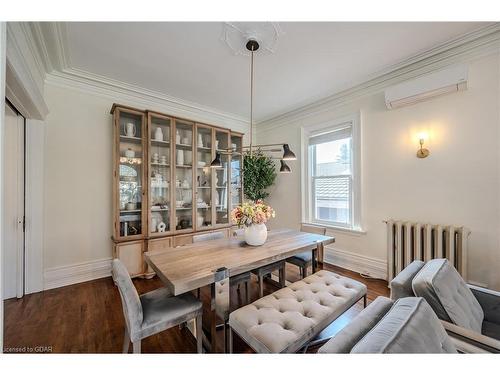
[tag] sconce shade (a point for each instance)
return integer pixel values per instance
(284, 167)
(287, 153)
(216, 163)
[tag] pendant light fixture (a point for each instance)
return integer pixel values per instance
(252, 45)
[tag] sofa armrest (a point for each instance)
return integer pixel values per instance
(489, 301)
(401, 284)
(468, 341)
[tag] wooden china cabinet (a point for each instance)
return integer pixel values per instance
(164, 190)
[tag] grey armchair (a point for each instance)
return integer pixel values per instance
(406, 326)
(469, 313)
(153, 312)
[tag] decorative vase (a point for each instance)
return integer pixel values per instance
(256, 234)
(158, 134)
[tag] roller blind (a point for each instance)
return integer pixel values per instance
(334, 135)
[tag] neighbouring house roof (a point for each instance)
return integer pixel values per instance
(335, 188)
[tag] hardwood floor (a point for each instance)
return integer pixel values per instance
(88, 317)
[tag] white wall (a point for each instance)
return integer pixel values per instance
(459, 183)
(78, 176)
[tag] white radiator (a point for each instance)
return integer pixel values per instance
(409, 241)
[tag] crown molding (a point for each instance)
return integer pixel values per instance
(480, 42)
(25, 72)
(139, 96)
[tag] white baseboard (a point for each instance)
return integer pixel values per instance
(76, 273)
(355, 262)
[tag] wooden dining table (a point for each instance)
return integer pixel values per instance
(212, 263)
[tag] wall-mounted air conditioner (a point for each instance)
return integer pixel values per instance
(425, 87)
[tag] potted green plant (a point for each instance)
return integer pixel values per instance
(259, 174)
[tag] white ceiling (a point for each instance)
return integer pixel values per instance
(189, 61)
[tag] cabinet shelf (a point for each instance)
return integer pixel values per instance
(184, 166)
(160, 165)
(183, 146)
(165, 143)
(126, 138)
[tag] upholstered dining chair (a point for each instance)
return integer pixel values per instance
(266, 270)
(304, 260)
(238, 280)
(153, 312)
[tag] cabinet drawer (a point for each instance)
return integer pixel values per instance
(183, 240)
(159, 244)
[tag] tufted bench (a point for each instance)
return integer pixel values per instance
(289, 318)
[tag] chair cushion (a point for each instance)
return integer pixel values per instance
(445, 290)
(401, 284)
(410, 326)
(344, 341)
(162, 311)
(304, 257)
(290, 317)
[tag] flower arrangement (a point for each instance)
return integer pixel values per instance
(252, 213)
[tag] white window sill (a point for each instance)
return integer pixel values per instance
(355, 232)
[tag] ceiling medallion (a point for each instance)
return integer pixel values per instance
(236, 35)
(252, 44)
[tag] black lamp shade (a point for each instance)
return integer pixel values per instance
(284, 168)
(287, 153)
(216, 163)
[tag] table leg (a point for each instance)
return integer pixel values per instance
(220, 292)
(314, 260)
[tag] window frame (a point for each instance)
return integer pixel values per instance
(307, 172)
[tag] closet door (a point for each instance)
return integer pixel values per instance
(13, 211)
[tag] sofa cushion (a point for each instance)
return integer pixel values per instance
(410, 326)
(445, 290)
(344, 341)
(290, 317)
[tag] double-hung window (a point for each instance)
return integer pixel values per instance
(333, 194)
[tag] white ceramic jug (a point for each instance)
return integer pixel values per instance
(158, 134)
(129, 129)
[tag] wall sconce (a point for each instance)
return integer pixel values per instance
(422, 152)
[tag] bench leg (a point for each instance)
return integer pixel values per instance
(230, 345)
(304, 272)
(364, 300)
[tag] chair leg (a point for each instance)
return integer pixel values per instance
(282, 273)
(199, 334)
(137, 347)
(247, 296)
(230, 345)
(304, 272)
(198, 293)
(126, 341)
(261, 286)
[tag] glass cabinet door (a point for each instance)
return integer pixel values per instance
(183, 155)
(203, 182)
(221, 179)
(129, 126)
(236, 167)
(159, 174)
